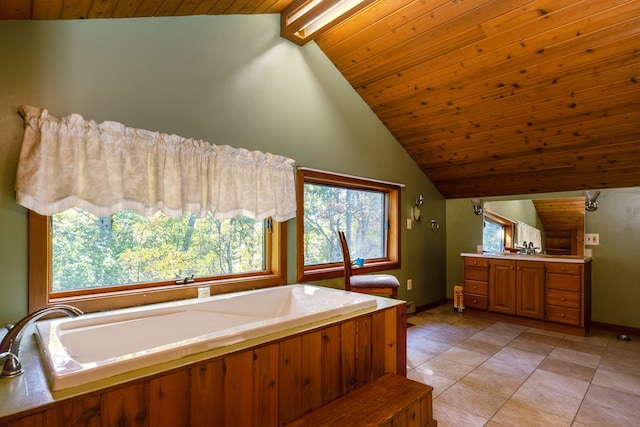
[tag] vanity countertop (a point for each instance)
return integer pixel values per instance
(538, 257)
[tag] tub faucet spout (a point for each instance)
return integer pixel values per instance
(10, 345)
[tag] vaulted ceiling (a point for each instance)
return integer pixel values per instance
(489, 97)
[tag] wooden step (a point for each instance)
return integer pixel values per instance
(389, 401)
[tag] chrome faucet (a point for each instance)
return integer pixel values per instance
(10, 345)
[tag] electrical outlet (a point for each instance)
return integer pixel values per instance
(592, 239)
(409, 284)
(408, 223)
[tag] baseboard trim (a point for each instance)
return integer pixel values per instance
(431, 305)
(616, 328)
(629, 330)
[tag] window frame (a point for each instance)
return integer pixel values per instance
(506, 224)
(336, 269)
(40, 276)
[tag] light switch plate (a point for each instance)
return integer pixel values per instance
(408, 223)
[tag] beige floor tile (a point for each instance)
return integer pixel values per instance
(521, 415)
(492, 338)
(595, 415)
(513, 362)
(481, 347)
(451, 416)
(621, 364)
(508, 329)
(477, 401)
(465, 357)
(447, 337)
(558, 366)
(560, 383)
(499, 383)
(446, 368)
(464, 331)
(621, 352)
(553, 334)
(578, 357)
(544, 398)
(501, 375)
(595, 338)
(475, 322)
(531, 345)
(438, 382)
(617, 381)
(615, 401)
(581, 346)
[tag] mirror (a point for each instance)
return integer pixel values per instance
(555, 226)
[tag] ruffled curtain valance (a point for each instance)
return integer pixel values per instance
(105, 167)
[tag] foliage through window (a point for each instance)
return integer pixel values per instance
(122, 260)
(361, 214)
(497, 233)
(127, 248)
(367, 211)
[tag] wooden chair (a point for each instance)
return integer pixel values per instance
(385, 285)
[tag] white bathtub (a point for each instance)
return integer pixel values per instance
(96, 346)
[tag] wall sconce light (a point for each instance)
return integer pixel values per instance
(477, 206)
(435, 225)
(303, 19)
(590, 203)
(416, 207)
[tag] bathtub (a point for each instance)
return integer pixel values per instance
(97, 346)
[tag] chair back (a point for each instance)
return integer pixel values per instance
(346, 258)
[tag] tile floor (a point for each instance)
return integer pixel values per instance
(487, 373)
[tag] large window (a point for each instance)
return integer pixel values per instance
(367, 211)
(127, 259)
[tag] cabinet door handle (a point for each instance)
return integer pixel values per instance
(475, 287)
(563, 315)
(475, 300)
(563, 299)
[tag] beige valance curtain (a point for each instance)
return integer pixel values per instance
(105, 167)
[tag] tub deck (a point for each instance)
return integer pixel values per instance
(96, 346)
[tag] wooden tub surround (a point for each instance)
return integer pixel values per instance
(268, 381)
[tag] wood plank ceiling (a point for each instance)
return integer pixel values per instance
(489, 97)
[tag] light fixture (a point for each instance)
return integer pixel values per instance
(416, 207)
(303, 19)
(590, 203)
(477, 206)
(435, 225)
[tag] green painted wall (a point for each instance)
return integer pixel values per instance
(615, 270)
(225, 79)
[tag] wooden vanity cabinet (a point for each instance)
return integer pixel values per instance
(553, 295)
(530, 289)
(475, 283)
(517, 288)
(565, 293)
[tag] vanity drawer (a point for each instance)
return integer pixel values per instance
(476, 262)
(477, 274)
(563, 282)
(560, 268)
(563, 298)
(569, 316)
(473, 287)
(476, 301)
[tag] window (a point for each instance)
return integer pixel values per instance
(497, 233)
(367, 211)
(126, 259)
